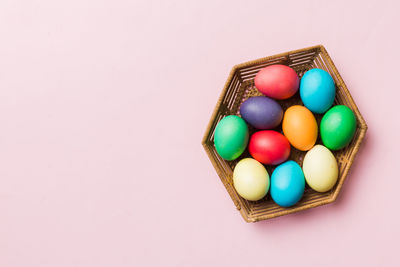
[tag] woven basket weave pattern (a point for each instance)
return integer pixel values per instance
(239, 87)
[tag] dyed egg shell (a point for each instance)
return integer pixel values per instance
(338, 126)
(317, 90)
(287, 184)
(231, 137)
(277, 81)
(300, 127)
(250, 179)
(261, 112)
(269, 147)
(320, 169)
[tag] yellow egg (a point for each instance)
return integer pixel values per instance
(320, 168)
(300, 127)
(250, 179)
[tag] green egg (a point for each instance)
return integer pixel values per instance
(231, 137)
(338, 126)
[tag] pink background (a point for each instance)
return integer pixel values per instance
(103, 105)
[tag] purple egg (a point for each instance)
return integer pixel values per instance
(261, 112)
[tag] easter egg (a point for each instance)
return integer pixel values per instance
(277, 81)
(338, 126)
(320, 168)
(300, 127)
(261, 112)
(287, 184)
(231, 137)
(269, 147)
(317, 90)
(250, 179)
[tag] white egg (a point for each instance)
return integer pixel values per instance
(320, 168)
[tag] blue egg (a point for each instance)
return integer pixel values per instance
(287, 184)
(317, 90)
(261, 112)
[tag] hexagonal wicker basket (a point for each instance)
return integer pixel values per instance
(239, 87)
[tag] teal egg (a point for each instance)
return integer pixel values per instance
(287, 184)
(231, 137)
(317, 90)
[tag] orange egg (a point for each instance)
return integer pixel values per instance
(300, 127)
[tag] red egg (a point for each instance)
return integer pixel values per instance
(277, 81)
(269, 147)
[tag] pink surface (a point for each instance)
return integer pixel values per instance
(102, 108)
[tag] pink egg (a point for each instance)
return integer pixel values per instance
(277, 81)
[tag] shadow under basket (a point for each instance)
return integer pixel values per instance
(239, 87)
